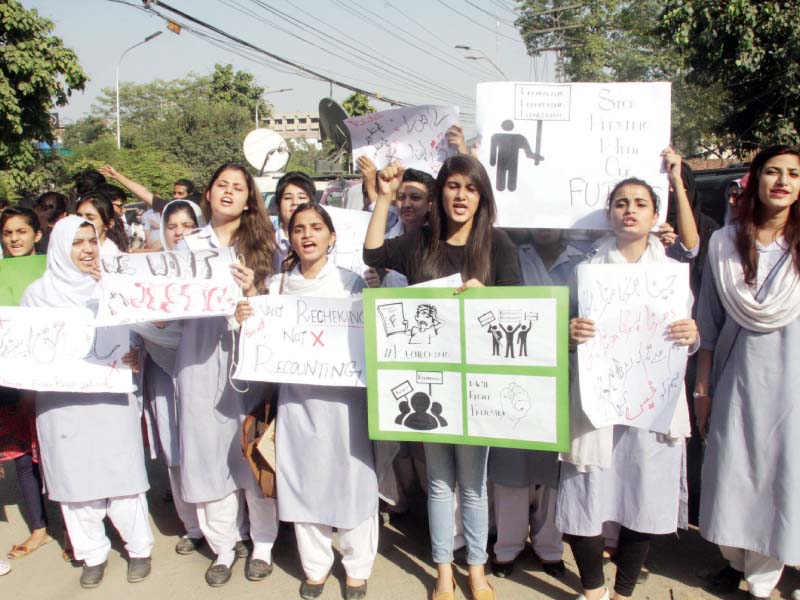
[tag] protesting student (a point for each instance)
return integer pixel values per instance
(211, 410)
(524, 482)
(161, 341)
(325, 467)
(50, 207)
(293, 189)
(747, 385)
(91, 443)
(20, 233)
(621, 474)
(460, 238)
(96, 207)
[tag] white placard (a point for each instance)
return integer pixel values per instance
(553, 151)
(164, 286)
(59, 350)
(415, 136)
(351, 230)
(631, 373)
(291, 339)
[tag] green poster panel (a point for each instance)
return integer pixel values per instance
(16, 274)
(486, 367)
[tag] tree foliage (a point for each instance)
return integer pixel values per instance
(36, 73)
(357, 104)
(751, 48)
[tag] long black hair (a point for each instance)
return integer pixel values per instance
(480, 242)
(101, 201)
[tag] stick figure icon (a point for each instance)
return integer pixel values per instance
(504, 153)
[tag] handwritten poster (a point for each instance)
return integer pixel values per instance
(630, 372)
(438, 372)
(554, 151)
(16, 274)
(291, 339)
(351, 230)
(163, 286)
(415, 136)
(59, 350)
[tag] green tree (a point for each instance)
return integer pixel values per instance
(620, 40)
(237, 88)
(36, 73)
(357, 104)
(752, 49)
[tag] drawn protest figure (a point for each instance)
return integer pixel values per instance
(420, 419)
(510, 331)
(522, 338)
(504, 153)
(427, 325)
(436, 411)
(404, 409)
(497, 335)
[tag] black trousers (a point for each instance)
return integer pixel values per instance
(631, 554)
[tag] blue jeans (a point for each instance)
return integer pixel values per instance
(449, 464)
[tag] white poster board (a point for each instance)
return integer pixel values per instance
(554, 151)
(291, 339)
(164, 286)
(351, 230)
(59, 350)
(415, 136)
(630, 372)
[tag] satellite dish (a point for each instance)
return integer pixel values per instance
(266, 150)
(331, 124)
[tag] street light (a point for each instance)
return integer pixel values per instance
(483, 57)
(271, 92)
(144, 41)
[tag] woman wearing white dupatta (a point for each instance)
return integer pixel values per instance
(625, 475)
(325, 472)
(748, 314)
(91, 444)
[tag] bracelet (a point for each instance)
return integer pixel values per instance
(697, 395)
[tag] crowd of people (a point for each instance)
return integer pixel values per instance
(606, 496)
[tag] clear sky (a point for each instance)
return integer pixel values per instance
(401, 48)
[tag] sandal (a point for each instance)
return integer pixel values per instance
(21, 551)
(486, 593)
(445, 595)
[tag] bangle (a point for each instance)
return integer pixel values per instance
(697, 395)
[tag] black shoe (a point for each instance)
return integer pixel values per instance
(218, 575)
(187, 545)
(725, 581)
(554, 569)
(138, 569)
(92, 576)
(355, 592)
(309, 591)
(241, 550)
(256, 569)
(502, 569)
(460, 556)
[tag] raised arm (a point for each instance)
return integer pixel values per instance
(687, 228)
(137, 189)
(389, 180)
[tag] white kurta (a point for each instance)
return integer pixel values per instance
(326, 472)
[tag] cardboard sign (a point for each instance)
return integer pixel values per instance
(16, 274)
(415, 136)
(351, 230)
(554, 151)
(439, 370)
(631, 373)
(298, 339)
(164, 286)
(59, 350)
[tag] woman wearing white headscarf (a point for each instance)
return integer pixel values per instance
(91, 444)
(161, 342)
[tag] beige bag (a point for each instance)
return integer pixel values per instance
(258, 446)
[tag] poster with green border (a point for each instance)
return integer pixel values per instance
(16, 274)
(486, 367)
